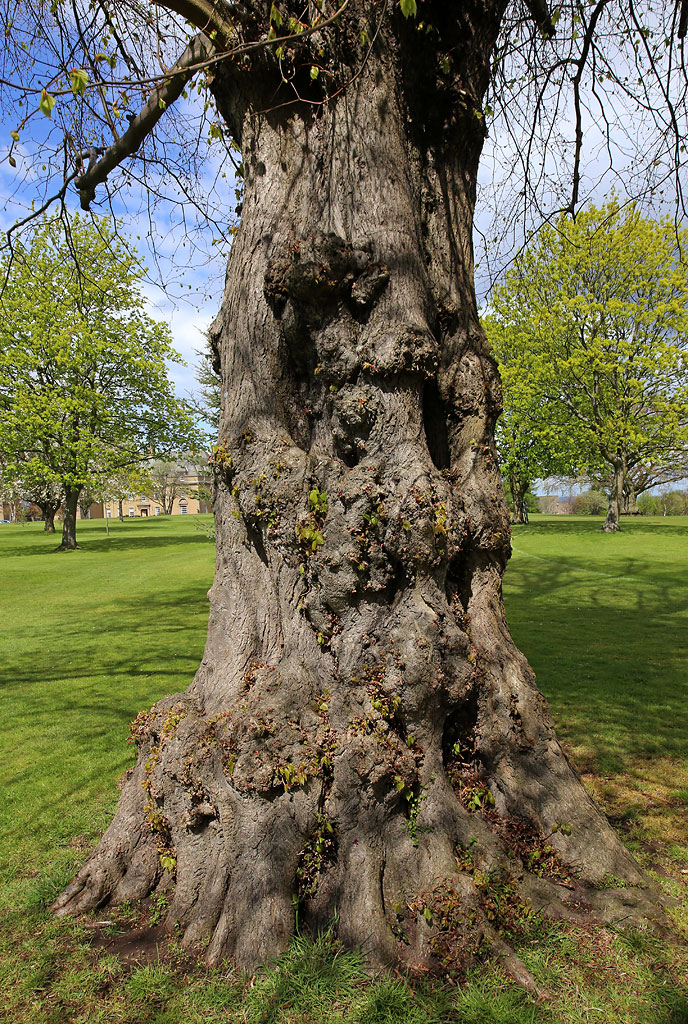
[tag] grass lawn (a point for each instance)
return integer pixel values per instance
(87, 639)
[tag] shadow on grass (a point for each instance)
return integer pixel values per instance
(113, 543)
(609, 647)
(592, 525)
(163, 614)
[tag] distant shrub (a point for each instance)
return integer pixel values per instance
(649, 505)
(675, 503)
(590, 503)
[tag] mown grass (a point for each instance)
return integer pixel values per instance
(604, 622)
(88, 639)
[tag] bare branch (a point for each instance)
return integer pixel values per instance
(162, 96)
(683, 20)
(207, 16)
(541, 17)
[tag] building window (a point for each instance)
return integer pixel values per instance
(107, 513)
(131, 513)
(157, 511)
(183, 509)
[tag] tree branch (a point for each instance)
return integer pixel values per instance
(169, 90)
(683, 19)
(208, 16)
(541, 16)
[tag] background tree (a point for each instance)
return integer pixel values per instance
(23, 488)
(166, 482)
(647, 475)
(127, 482)
(533, 438)
(360, 697)
(596, 314)
(522, 458)
(48, 496)
(83, 382)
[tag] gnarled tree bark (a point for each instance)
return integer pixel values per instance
(362, 735)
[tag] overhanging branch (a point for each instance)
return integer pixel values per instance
(164, 94)
(208, 16)
(541, 16)
(683, 19)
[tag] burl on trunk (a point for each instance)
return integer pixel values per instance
(362, 738)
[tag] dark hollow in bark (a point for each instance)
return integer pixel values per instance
(362, 735)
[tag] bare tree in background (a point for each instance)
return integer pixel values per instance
(166, 483)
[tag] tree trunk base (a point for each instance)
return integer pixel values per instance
(426, 873)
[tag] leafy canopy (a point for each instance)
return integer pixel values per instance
(84, 389)
(591, 331)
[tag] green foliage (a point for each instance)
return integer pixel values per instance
(206, 399)
(414, 805)
(159, 907)
(309, 534)
(318, 502)
(672, 503)
(309, 530)
(590, 329)
(589, 503)
(46, 103)
(318, 850)
(78, 79)
(84, 388)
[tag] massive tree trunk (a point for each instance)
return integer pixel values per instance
(71, 500)
(362, 735)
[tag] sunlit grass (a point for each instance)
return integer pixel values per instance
(88, 639)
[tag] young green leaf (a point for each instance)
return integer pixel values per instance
(408, 8)
(78, 79)
(47, 103)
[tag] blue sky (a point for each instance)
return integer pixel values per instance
(189, 265)
(194, 277)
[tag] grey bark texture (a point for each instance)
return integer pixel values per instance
(362, 736)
